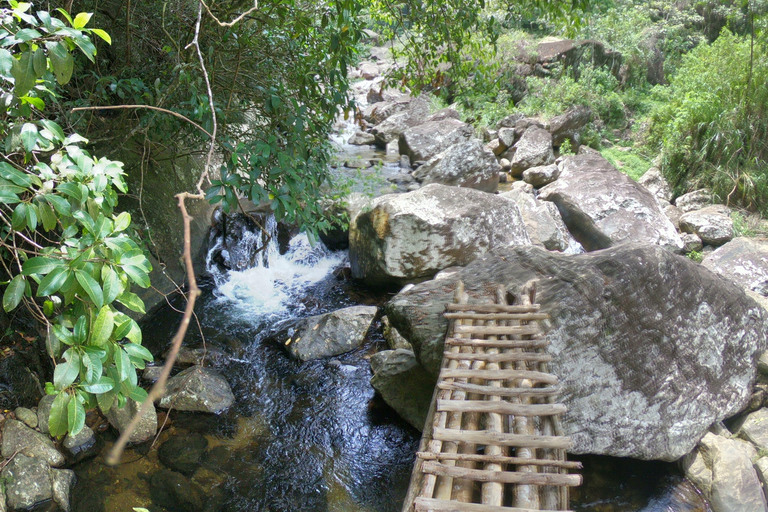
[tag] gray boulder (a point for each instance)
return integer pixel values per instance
(404, 384)
(507, 138)
(426, 140)
(62, 481)
(713, 224)
(27, 416)
(541, 175)
(326, 335)
(656, 184)
(691, 242)
(542, 221)
(533, 149)
(466, 164)
(726, 475)
(673, 213)
(568, 126)
(695, 200)
(651, 348)
(410, 237)
(27, 482)
(394, 339)
(754, 428)
(368, 70)
(602, 206)
(362, 139)
(743, 261)
(44, 412)
(416, 111)
(197, 389)
(119, 418)
(17, 437)
(80, 445)
(379, 111)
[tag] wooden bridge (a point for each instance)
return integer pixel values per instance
(493, 440)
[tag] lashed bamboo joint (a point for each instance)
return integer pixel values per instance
(493, 440)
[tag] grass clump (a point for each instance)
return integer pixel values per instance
(627, 160)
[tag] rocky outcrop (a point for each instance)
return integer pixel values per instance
(754, 428)
(713, 224)
(602, 206)
(326, 335)
(542, 221)
(651, 347)
(197, 389)
(410, 237)
(403, 384)
(533, 149)
(466, 164)
(426, 140)
(27, 482)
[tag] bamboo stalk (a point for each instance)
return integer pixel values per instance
(486, 437)
(491, 343)
(494, 308)
(432, 505)
(499, 407)
(492, 391)
(501, 459)
(503, 358)
(497, 316)
(489, 331)
(492, 493)
(545, 378)
(507, 477)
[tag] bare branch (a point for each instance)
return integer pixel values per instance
(149, 107)
(236, 20)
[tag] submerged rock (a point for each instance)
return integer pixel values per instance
(197, 389)
(407, 237)
(119, 418)
(183, 453)
(176, 492)
(326, 335)
(602, 206)
(80, 445)
(651, 348)
(62, 481)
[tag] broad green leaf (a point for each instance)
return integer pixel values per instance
(31, 216)
(138, 394)
(111, 284)
(123, 364)
(102, 327)
(122, 221)
(86, 46)
(62, 61)
(102, 385)
(53, 281)
(137, 275)
(40, 265)
(39, 62)
(80, 331)
(52, 343)
(23, 72)
(132, 302)
(19, 217)
(28, 34)
(102, 34)
(86, 220)
(66, 15)
(134, 333)
(60, 204)
(47, 215)
(54, 128)
(63, 334)
(7, 197)
(120, 244)
(138, 351)
(65, 374)
(96, 364)
(57, 421)
(134, 258)
(70, 189)
(14, 293)
(48, 307)
(35, 102)
(29, 136)
(20, 178)
(81, 20)
(91, 287)
(75, 416)
(6, 61)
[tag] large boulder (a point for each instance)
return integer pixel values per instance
(695, 200)
(389, 129)
(602, 206)
(403, 383)
(651, 348)
(408, 237)
(568, 126)
(533, 149)
(713, 224)
(656, 184)
(377, 112)
(466, 164)
(326, 335)
(743, 261)
(426, 140)
(542, 221)
(197, 389)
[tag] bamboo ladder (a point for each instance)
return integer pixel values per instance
(493, 440)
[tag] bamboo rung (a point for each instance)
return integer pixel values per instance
(500, 459)
(485, 437)
(431, 504)
(502, 358)
(494, 391)
(505, 477)
(504, 330)
(500, 407)
(546, 378)
(494, 308)
(497, 316)
(474, 342)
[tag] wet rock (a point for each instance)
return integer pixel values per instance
(541, 175)
(26, 416)
(81, 445)
(176, 492)
(368, 70)
(735, 486)
(27, 481)
(394, 339)
(691, 242)
(656, 184)
(713, 224)
(152, 373)
(542, 221)
(62, 481)
(362, 139)
(754, 428)
(568, 126)
(701, 337)
(358, 164)
(326, 335)
(695, 200)
(602, 206)
(17, 437)
(197, 389)
(405, 162)
(202, 356)
(183, 453)
(44, 412)
(466, 164)
(119, 418)
(416, 111)
(533, 149)
(743, 261)
(426, 140)
(403, 383)
(412, 236)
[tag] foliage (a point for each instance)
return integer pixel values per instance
(696, 256)
(713, 124)
(70, 259)
(628, 161)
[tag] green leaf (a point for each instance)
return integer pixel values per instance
(53, 281)
(60, 204)
(23, 72)
(70, 189)
(80, 331)
(29, 136)
(65, 374)
(31, 216)
(75, 416)
(103, 385)
(138, 394)
(19, 217)
(7, 197)
(14, 293)
(35, 102)
(102, 34)
(138, 351)
(86, 46)
(62, 61)
(86, 220)
(39, 62)
(66, 15)
(47, 215)
(27, 34)
(96, 365)
(57, 421)
(91, 287)
(132, 302)
(54, 128)
(52, 343)
(63, 334)
(102, 327)
(122, 221)
(81, 20)
(111, 284)
(40, 265)
(20, 178)
(6, 61)
(137, 275)
(123, 364)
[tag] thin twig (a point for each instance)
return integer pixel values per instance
(115, 107)
(236, 20)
